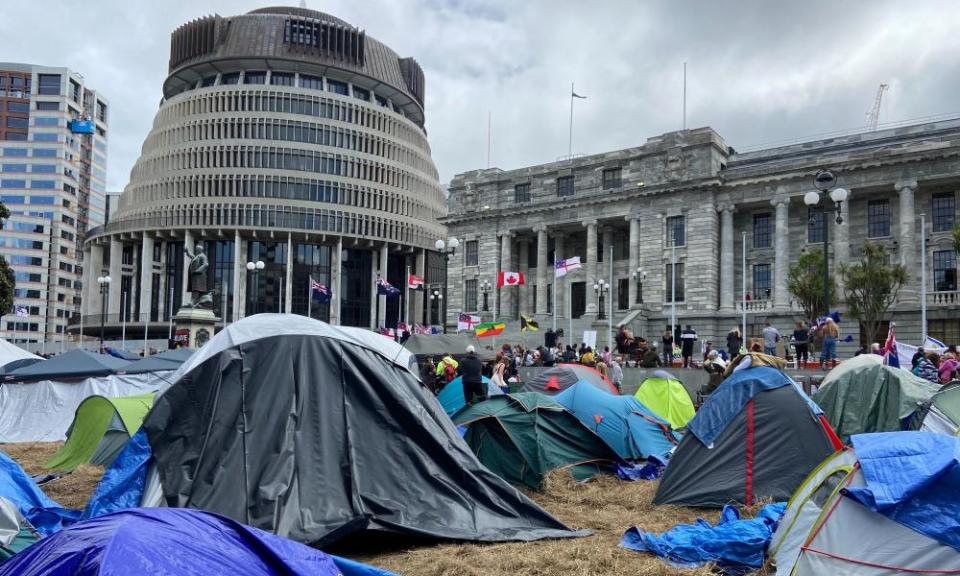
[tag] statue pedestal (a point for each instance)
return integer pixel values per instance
(194, 326)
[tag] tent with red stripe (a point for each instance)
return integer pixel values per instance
(756, 437)
(562, 376)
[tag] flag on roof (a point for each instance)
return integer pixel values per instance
(467, 321)
(489, 329)
(562, 267)
(528, 323)
(509, 279)
(21, 311)
(384, 288)
(415, 282)
(889, 351)
(319, 292)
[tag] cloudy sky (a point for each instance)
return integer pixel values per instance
(758, 71)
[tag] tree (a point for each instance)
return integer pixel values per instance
(7, 279)
(871, 287)
(805, 282)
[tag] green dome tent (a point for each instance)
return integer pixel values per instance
(667, 397)
(862, 395)
(522, 437)
(100, 429)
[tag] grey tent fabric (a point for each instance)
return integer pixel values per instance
(313, 435)
(17, 364)
(788, 443)
(169, 360)
(423, 345)
(74, 364)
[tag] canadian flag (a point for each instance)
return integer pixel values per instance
(509, 279)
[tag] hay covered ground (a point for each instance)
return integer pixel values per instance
(605, 505)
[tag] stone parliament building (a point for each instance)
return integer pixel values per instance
(688, 195)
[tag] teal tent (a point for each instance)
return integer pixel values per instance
(452, 398)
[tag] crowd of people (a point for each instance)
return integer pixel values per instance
(935, 367)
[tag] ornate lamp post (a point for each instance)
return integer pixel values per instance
(639, 275)
(254, 268)
(485, 288)
(825, 182)
(602, 289)
(446, 249)
(104, 282)
(437, 296)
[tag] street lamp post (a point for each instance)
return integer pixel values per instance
(437, 296)
(104, 282)
(446, 249)
(485, 288)
(602, 289)
(825, 182)
(639, 275)
(254, 268)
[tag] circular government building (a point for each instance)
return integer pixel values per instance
(286, 137)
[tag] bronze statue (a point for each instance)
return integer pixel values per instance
(200, 296)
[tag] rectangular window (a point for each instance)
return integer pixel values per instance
(944, 271)
(15, 152)
(761, 281)
(337, 87)
(311, 82)
(676, 231)
(13, 106)
(233, 78)
(521, 193)
(944, 211)
(45, 152)
(101, 113)
(762, 230)
(13, 184)
(669, 288)
(254, 77)
(208, 81)
(815, 230)
(48, 200)
(565, 186)
(549, 298)
(611, 178)
(361, 93)
(45, 137)
(281, 79)
(472, 253)
(878, 218)
(46, 121)
(48, 106)
(44, 168)
(44, 184)
(14, 168)
(14, 122)
(623, 293)
(944, 330)
(470, 295)
(49, 84)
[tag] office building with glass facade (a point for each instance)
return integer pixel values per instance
(53, 162)
(284, 136)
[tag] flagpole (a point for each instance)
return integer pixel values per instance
(406, 298)
(569, 297)
(743, 292)
(309, 296)
(570, 143)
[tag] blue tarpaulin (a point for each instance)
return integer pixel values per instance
(122, 484)
(912, 478)
(178, 541)
(43, 513)
(625, 424)
(452, 399)
(736, 546)
(728, 400)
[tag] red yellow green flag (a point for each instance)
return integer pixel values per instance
(489, 329)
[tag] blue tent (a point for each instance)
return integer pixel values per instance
(625, 424)
(451, 397)
(43, 513)
(179, 541)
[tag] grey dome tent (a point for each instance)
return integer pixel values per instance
(315, 432)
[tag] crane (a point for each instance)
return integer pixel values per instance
(873, 116)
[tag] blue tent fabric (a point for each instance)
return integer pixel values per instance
(73, 364)
(736, 546)
(122, 484)
(451, 397)
(625, 424)
(729, 399)
(121, 354)
(913, 478)
(180, 541)
(42, 512)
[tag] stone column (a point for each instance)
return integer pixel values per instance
(374, 318)
(840, 240)
(781, 240)
(336, 267)
(726, 257)
(382, 300)
(633, 259)
(591, 226)
(506, 265)
(239, 276)
(523, 299)
(542, 267)
(288, 293)
(188, 244)
(907, 240)
(95, 264)
(116, 275)
(146, 277)
(417, 295)
(88, 281)
(559, 284)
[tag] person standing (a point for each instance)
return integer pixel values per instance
(831, 333)
(734, 342)
(687, 338)
(616, 372)
(801, 343)
(770, 338)
(667, 342)
(470, 371)
(428, 375)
